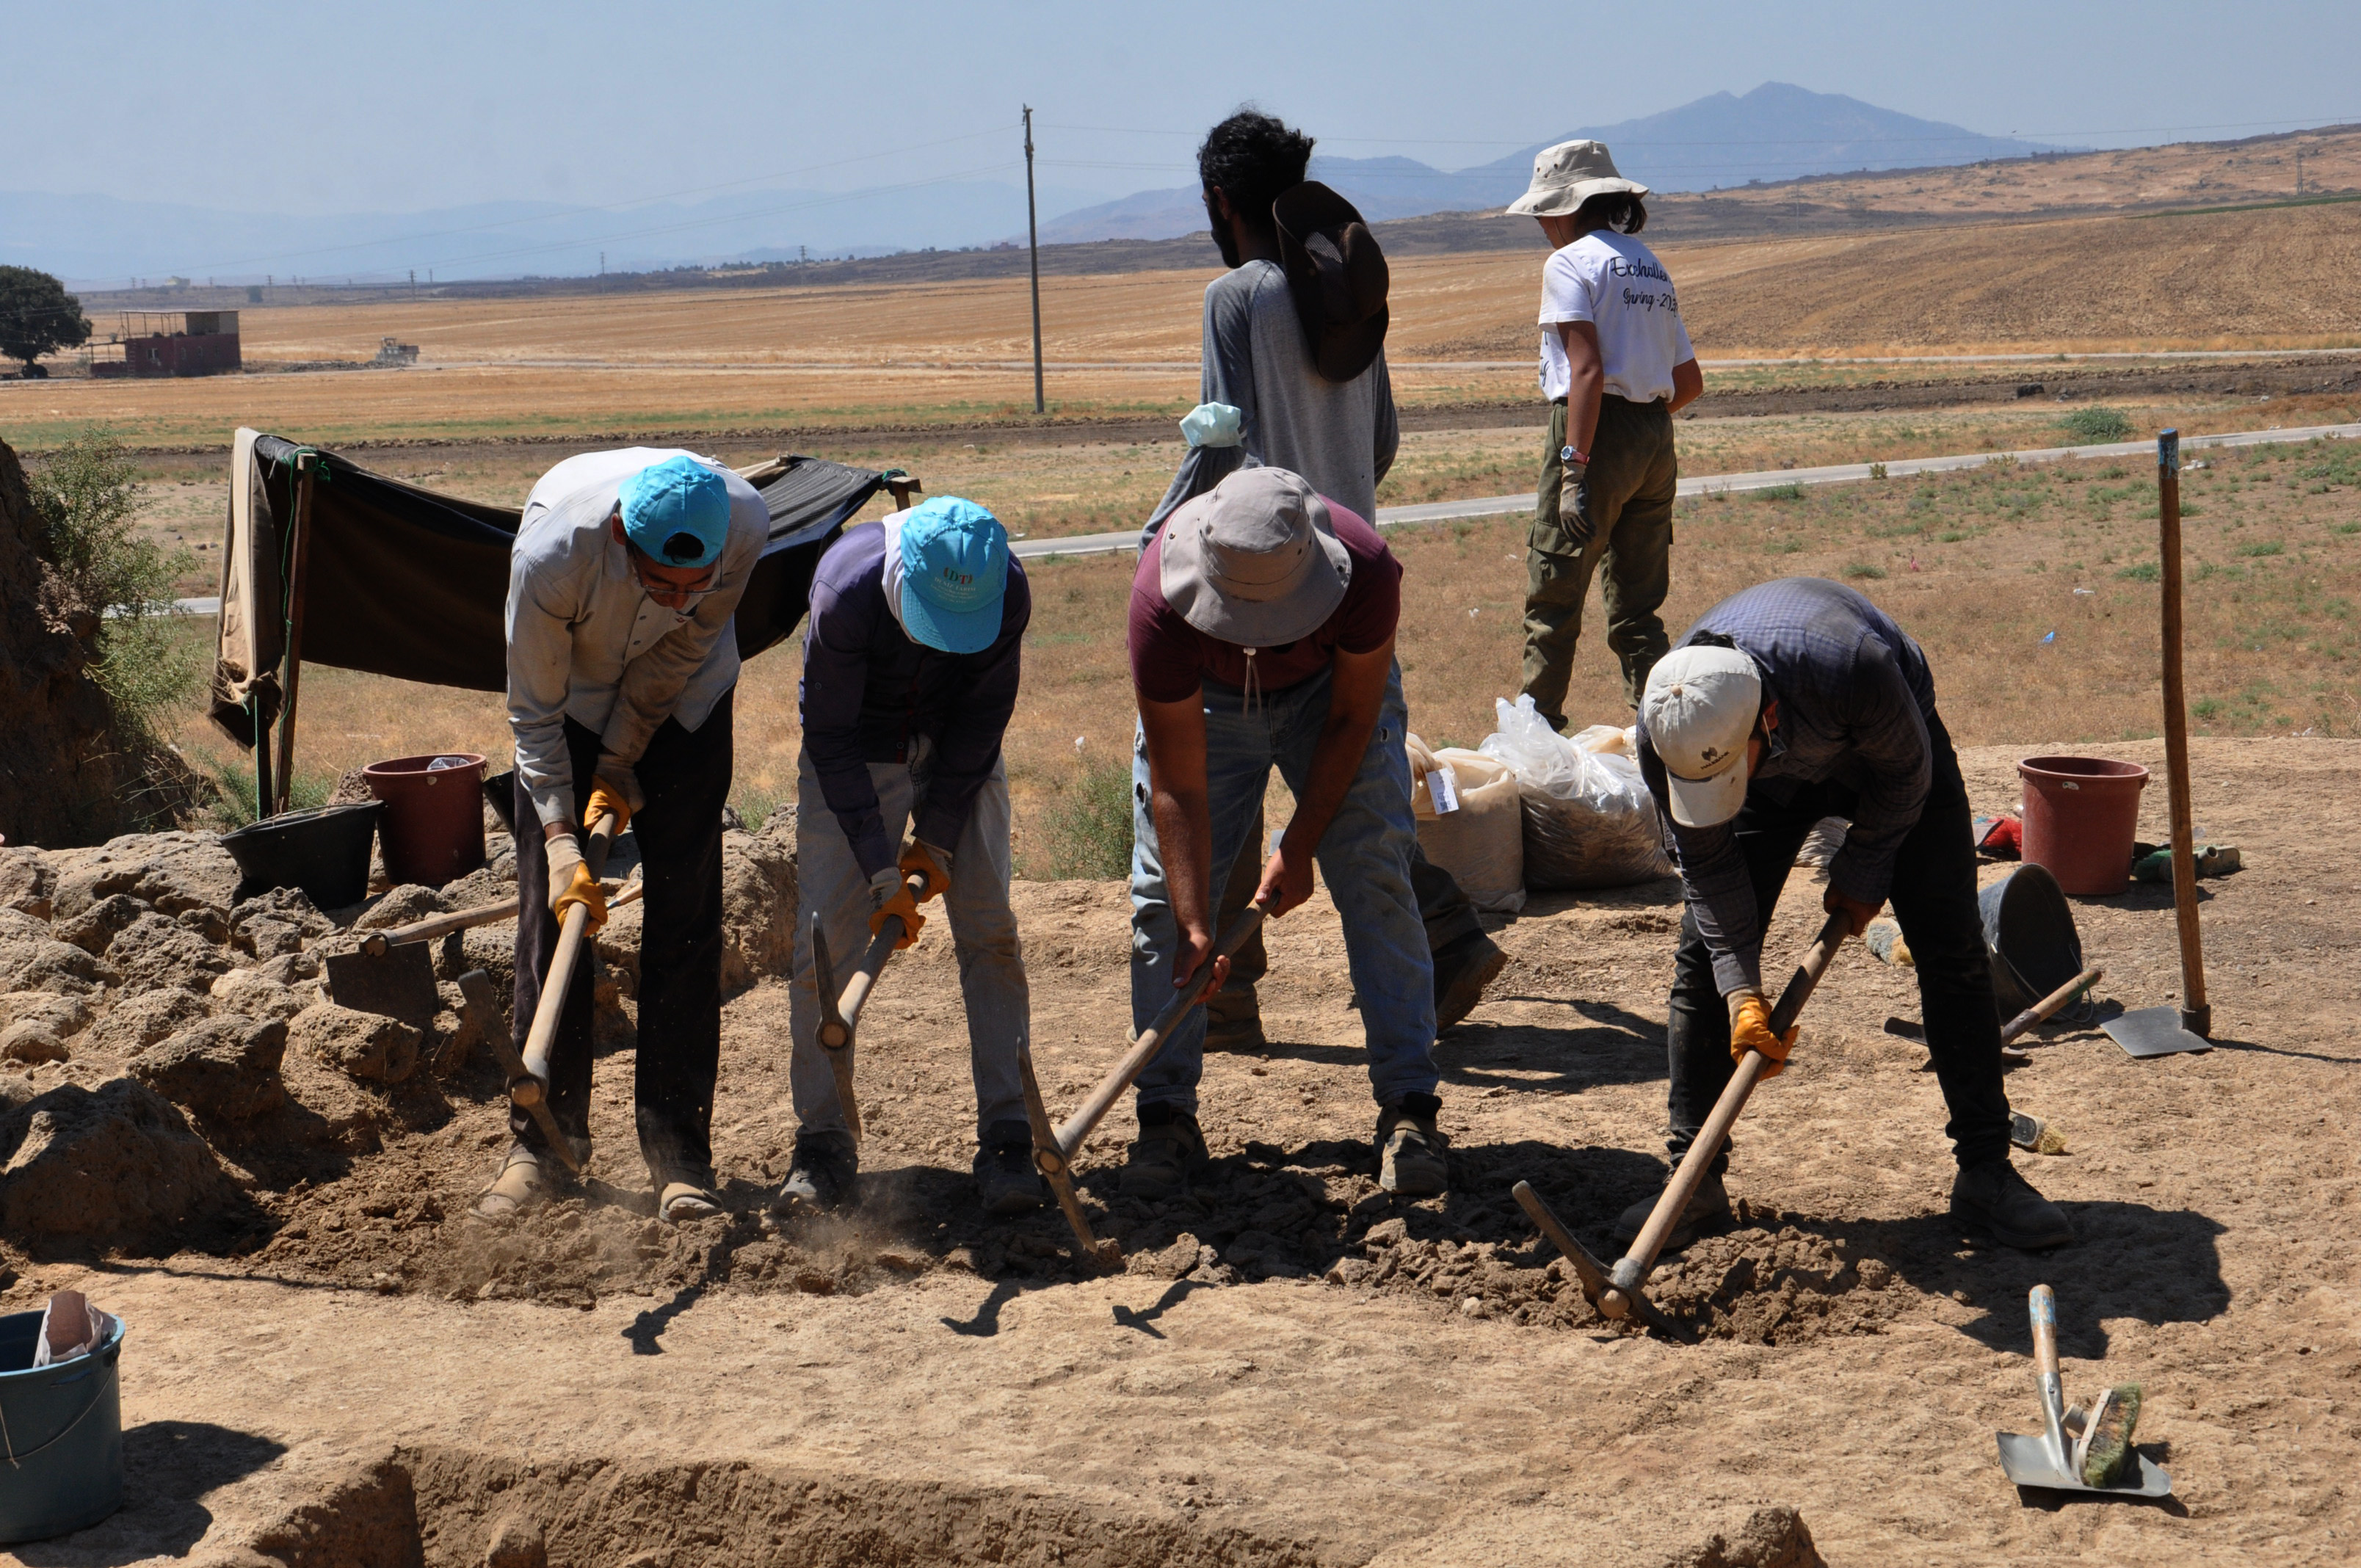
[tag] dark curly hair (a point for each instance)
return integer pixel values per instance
(1252, 158)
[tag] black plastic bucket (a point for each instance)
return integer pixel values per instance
(61, 1427)
(324, 852)
(2030, 938)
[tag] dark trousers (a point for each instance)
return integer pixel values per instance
(686, 777)
(1935, 903)
(1444, 909)
(1628, 496)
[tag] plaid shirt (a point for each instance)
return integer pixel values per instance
(1854, 697)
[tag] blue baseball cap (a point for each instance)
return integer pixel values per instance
(677, 510)
(954, 570)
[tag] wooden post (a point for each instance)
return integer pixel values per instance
(294, 589)
(2196, 1013)
(1033, 243)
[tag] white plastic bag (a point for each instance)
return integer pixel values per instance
(1589, 818)
(1481, 842)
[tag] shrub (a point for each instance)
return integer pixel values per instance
(1085, 831)
(2141, 572)
(86, 494)
(2096, 424)
(231, 781)
(1864, 569)
(1779, 493)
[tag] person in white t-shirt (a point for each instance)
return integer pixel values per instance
(1615, 366)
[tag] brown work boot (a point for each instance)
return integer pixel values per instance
(1707, 1206)
(525, 1182)
(1234, 1019)
(1411, 1152)
(1462, 970)
(1168, 1151)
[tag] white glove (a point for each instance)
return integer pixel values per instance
(565, 853)
(1213, 424)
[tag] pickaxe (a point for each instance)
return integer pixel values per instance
(529, 1073)
(1617, 1293)
(839, 1013)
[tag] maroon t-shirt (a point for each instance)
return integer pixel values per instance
(1169, 657)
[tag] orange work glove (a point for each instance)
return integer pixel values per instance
(1750, 1030)
(889, 898)
(582, 889)
(604, 798)
(933, 864)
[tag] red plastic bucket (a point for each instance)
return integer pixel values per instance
(434, 827)
(2079, 815)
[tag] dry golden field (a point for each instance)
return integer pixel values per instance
(957, 354)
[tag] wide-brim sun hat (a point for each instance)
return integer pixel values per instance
(1254, 560)
(1699, 706)
(1567, 175)
(954, 575)
(1337, 276)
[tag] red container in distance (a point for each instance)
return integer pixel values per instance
(2079, 816)
(432, 831)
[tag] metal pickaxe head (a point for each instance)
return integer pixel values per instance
(1597, 1288)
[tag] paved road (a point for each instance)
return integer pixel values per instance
(1705, 484)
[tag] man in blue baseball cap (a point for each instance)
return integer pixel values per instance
(622, 584)
(910, 672)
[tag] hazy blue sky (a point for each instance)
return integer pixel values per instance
(429, 103)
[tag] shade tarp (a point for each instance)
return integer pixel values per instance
(405, 582)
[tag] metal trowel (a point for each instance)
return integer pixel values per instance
(2047, 1459)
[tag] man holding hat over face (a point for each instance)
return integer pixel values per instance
(1295, 377)
(1262, 634)
(622, 659)
(1791, 701)
(910, 671)
(1616, 366)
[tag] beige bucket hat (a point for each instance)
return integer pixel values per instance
(1567, 175)
(1255, 560)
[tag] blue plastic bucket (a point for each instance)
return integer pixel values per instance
(60, 1435)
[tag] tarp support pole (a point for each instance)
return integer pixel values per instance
(306, 463)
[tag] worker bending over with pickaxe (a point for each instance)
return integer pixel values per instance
(1262, 632)
(622, 659)
(910, 670)
(1791, 701)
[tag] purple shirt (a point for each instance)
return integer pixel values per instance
(870, 693)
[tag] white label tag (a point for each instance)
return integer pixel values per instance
(1443, 790)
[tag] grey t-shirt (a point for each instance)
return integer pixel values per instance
(1340, 436)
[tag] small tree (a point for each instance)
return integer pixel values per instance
(86, 494)
(38, 316)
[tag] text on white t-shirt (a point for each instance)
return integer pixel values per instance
(1614, 282)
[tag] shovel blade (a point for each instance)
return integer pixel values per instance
(2154, 1032)
(2030, 1462)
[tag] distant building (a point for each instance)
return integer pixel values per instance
(392, 354)
(169, 343)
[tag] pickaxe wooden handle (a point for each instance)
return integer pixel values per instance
(529, 1073)
(1055, 1169)
(1630, 1275)
(839, 1013)
(375, 943)
(1079, 1126)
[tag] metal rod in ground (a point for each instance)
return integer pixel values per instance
(1631, 1272)
(2196, 1014)
(1058, 1174)
(1033, 244)
(1079, 1126)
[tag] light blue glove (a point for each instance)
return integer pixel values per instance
(1213, 424)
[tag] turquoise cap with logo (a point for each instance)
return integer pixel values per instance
(954, 570)
(677, 511)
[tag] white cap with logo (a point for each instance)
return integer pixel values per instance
(1699, 707)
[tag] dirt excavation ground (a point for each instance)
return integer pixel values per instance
(325, 1364)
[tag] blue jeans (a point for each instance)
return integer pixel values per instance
(1364, 858)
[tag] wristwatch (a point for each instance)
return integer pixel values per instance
(1569, 455)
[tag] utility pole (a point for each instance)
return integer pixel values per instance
(1033, 243)
(2298, 171)
(602, 272)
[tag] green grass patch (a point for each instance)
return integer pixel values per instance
(1863, 569)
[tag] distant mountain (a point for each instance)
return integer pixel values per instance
(1776, 132)
(101, 241)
